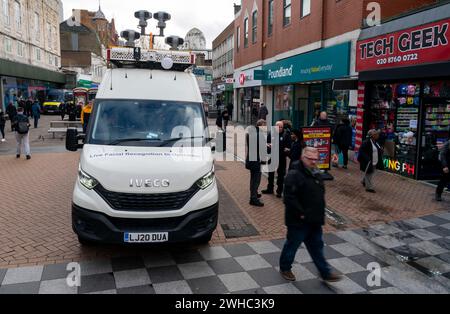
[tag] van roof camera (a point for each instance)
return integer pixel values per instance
(174, 42)
(130, 36)
(162, 17)
(143, 16)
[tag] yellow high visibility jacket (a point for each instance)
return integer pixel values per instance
(85, 113)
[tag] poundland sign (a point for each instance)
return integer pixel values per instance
(423, 44)
(282, 72)
(322, 64)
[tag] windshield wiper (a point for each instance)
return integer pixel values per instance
(124, 140)
(179, 139)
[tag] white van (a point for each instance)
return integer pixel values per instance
(146, 172)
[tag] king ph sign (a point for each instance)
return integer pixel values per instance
(427, 43)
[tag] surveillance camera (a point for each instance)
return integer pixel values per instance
(130, 36)
(143, 16)
(162, 17)
(174, 41)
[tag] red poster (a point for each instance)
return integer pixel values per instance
(419, 45)
(320, 138)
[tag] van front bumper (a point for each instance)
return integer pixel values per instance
(98, 227)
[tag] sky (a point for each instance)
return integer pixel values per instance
(210, 16)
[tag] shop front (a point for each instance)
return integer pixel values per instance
(20, 81)
(247, 96)
(405, 69)
(302, 85)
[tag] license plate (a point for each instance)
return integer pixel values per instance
(146, 237)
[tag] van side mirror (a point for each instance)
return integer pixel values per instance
(72, 139)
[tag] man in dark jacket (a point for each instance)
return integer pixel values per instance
(323, 120)
(284, 148)
(445, 179)
(36, 112)
(253, 161)
(2, 124)
(230, 109)
(343, 139)
(296, 146)
(263, 112)
(370, 158)
(28, 106)
(304, 199)
(12, 113)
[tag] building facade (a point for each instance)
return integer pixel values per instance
(83, 54)
(223, 66)
(404, 74)
(84, 38)
(30, 54)
(301, 50)
(301, 57)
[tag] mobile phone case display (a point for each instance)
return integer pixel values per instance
(408, 99)
(436, 127)
(382, 116)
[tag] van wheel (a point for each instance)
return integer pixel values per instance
(205, 239)
(85, 242)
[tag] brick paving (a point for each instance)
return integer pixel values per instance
(35, 199)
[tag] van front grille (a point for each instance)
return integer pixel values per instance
(146, 202)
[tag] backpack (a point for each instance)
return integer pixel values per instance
(22, 127)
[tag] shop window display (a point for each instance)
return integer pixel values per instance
(436, 124)
(394, 110)
(284, 99)
(337, 104)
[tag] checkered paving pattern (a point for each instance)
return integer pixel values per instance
(413, 255)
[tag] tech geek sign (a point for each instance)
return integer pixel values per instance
(424, 44)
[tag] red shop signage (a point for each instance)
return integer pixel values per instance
(423, 44)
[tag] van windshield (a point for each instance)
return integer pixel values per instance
(145, 123)
(55, 96)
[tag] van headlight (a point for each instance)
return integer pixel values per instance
(206, 181)
(86, 180)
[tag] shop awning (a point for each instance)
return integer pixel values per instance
(16, 69)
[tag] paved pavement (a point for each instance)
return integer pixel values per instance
(35, 231)
(413, 257)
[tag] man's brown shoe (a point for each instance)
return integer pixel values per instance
(288, 275)
(333, 278)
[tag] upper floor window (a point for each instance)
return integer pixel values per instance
(254, 26)
(18, 16)
(55, 38)
(37, 27)
(49, 36)
(238, 38)
(270, 22)
(38, 54)
(8, 44)
(5, 12)
(20, 49)
(306, 8)
(246, 32)
(286, 12)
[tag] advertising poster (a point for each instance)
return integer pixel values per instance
(320, 138)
